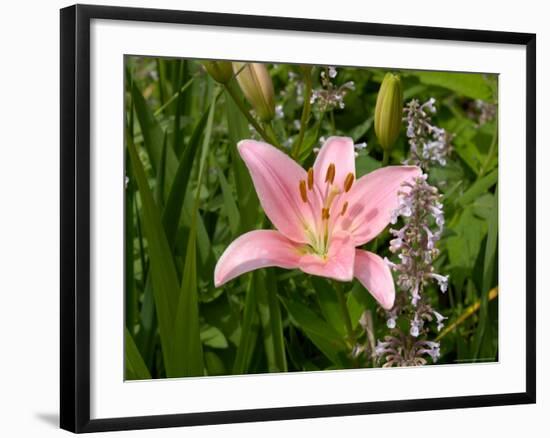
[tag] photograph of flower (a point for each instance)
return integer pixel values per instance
(286, 218)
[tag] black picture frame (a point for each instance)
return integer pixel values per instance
(75, 217)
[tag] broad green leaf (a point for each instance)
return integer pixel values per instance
(466, 84)
(212, 337)
(135, 367)
(270, 318)
(365, 164)
(464, 246)
(325, 338)
(214, 365)
(328, 302)
(355, 309)
(479, 187)
(163, 272)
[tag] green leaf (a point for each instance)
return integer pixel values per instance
(188, 355)
(467, 84)
(161, 175)
(365, 164)
(355, 309)
(479, 187)
(328, 302)
(213, 337)
(153, 136)
(488, 273)
(163, 271)
(270, 318)
(230, 207)
(249, 329)
(325, 338)
(214, 364)
(131, 296)
(237, 127)
(188, 360)
(464, 246)
(360, 130)
(176, 196)
(135, 366)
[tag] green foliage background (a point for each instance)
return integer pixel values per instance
(188, 195)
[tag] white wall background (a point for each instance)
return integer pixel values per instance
(29, 216)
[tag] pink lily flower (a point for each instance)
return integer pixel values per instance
(321, 216)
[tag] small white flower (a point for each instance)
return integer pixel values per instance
(442, 280)
(287, 143)
(440, 318)
(279, 114)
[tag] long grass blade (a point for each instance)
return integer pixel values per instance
(188, 354)
(135, 368)
(164, 276)
(249, 329)
(270, 318)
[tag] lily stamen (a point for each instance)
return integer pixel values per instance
(310, 178)
(348, 182)
(331, 172)
(303, 191)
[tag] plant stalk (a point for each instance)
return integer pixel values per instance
(345, 312)
(306, 111)
(249, 117)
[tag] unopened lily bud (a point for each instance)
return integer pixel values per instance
(256, 84)
(389, 111)
(220, 71)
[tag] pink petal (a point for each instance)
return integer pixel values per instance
(276, 179)
(372, 200)
(254, 250)
(338, 264)
(375, 275)
(337, 150)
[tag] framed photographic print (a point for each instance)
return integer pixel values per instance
(270, 218)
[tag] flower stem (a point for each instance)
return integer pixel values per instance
(248, 116)
(345, 312)
(271, 133)
(305, 114)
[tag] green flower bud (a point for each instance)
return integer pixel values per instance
(389, 111)
(220, 71)
(257, 87)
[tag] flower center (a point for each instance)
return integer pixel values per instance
(320, 241)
